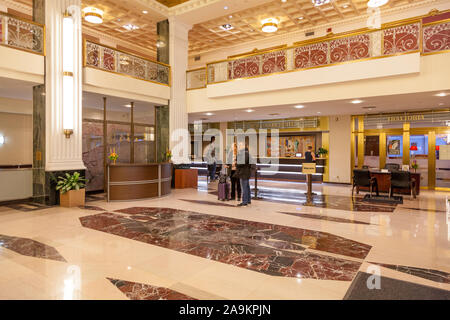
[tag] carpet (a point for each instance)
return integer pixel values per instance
(384, 199)
(392, 289)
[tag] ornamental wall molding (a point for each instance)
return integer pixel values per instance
(17, 6)
(320, 29)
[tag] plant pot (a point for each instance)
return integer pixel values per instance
(73, 198)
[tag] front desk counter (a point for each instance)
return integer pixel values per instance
(289, 169)
(138, 181)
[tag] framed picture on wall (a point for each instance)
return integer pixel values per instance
(394, 147)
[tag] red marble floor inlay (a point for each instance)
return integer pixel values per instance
(321, 217)
(139, 291)
(266, 248)
(30, 248)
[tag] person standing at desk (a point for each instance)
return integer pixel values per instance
(310, 157)
(210, 157)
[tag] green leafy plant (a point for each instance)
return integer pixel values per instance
(414, 165)
(322, 152)
(70, 182)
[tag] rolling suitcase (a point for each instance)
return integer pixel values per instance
(224, 191)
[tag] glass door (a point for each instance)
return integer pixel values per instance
(372, 152)
(419, 157)
(443, 160)
(394, 150)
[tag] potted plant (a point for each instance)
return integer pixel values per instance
(168, 155)
(322, 152)
(415, 166)
(113, 156)
(72, 190)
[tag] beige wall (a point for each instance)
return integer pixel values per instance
(339, 155)
(18, 132)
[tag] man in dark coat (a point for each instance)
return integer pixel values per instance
(244, 172)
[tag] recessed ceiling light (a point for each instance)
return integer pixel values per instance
(442, 94)
(230, 16)
(209, 114)
(318, 112)
(2, 140)
(300, 18)
(130, 27)
(356, 101)
(376, 3)
(318, 3)
(226, 27)
(299, 106)
(144, 11)
(345, 6)
(127, 106)
(225, 8)
(249, 110)
(283, 1)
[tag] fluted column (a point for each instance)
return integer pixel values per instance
(62, 153)
(178, 45)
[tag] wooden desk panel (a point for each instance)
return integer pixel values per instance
(384, 182)
(138, 181)
(186, 178)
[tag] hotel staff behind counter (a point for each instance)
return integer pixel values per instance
(310, 157)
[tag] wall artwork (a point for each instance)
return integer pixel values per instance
(292, 145)
(394, 147)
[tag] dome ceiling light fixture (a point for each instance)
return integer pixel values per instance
(376, 3)
(318, 3)
(93, 15)
(270, 25)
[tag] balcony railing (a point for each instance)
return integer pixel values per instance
(116, 61)
(412, 35)
(196, 79)
(22, 34)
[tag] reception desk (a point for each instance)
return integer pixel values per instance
(138, 181)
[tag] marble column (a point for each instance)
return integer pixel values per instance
(39, 185)
(162, 132)
(53, 154)
(162, 28)
(178, 44)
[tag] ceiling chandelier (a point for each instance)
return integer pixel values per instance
(93, 15)
(318, 3)
(376, 3)
(269, 25)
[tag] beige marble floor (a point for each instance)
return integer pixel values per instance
(418, 238)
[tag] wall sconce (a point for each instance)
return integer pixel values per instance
(68, 68)
(2, 140)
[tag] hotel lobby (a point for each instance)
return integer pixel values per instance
(224, 150)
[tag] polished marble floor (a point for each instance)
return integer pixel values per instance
(189, 245)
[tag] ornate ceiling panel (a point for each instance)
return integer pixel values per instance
(118, 14)
(293, 15)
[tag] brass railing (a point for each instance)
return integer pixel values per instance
(396, 38)
(112, 60)
(196, 79)
(22, 34)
